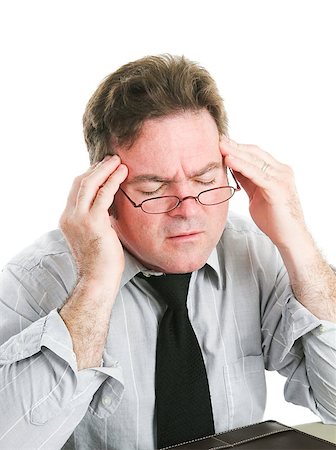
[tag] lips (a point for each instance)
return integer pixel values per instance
(182, 235)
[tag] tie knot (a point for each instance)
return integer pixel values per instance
(172, 287)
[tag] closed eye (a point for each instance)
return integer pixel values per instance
(151, 193)
(157, 191)
(206, 183)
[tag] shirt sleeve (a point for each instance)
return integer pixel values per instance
(302, 348)
(43, 396)
(320, 352)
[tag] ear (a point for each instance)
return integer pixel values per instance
(113, 213)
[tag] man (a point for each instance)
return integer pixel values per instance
(80, 355)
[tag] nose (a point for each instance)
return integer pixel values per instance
(189, 206)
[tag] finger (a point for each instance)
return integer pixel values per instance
(106, 193)
(246, 184)
(250, 171)
(250, 153)
(72, 196)
(91, 183)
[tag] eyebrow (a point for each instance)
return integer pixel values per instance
(158, 179)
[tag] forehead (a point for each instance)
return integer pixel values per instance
(186, 141)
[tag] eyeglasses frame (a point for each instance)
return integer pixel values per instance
(237, 188)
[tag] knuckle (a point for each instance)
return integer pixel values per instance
(84, 182)
(288, 171)
(62, 223)
(77, 180)
(101, 192)
(65, 222)
(72, 222)
(113, 182)
(85, 222)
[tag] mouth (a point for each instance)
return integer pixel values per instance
(191, 235)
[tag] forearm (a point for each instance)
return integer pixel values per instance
(312, 279)
(87, 316)
(276, 209)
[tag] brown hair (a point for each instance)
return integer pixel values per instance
(150, 87)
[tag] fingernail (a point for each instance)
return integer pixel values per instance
(107, 157)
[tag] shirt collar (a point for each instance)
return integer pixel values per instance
(133, 267)
(213, 262)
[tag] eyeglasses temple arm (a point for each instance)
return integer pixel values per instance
(133, 203)
(235, 179)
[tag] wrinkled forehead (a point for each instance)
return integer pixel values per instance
(186, 142)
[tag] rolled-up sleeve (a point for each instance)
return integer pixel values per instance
(302, 348)
(320, 353)
(43, 396)
(40, 388)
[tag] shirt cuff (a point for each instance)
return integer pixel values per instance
(297, 321)
(51, 332)
(57, 338)
(326, 333)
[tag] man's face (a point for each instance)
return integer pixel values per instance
(176, 155)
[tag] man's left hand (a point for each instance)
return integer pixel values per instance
(270, 186)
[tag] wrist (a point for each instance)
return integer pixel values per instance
(96, 284)
(295, 240)
(299, 255)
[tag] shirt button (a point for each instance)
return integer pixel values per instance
(106, 401)
(319, 330)
(115, 364)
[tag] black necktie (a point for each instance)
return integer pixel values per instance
(183, 404)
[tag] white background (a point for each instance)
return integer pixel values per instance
(274, 62)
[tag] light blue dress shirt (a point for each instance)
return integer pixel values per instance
(244, 315)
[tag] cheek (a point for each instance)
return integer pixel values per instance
(137, 228)
(216, 219)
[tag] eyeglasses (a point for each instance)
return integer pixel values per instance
(166, 203)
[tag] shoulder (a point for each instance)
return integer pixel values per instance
(37, 280)
(243, 241)
(49, 246)
(47, 262)
(239, 224)
(44, 274)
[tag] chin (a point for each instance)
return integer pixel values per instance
(175, 261)
(183, 266)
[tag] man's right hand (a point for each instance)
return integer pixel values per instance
(99, 256)
(86, 225)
